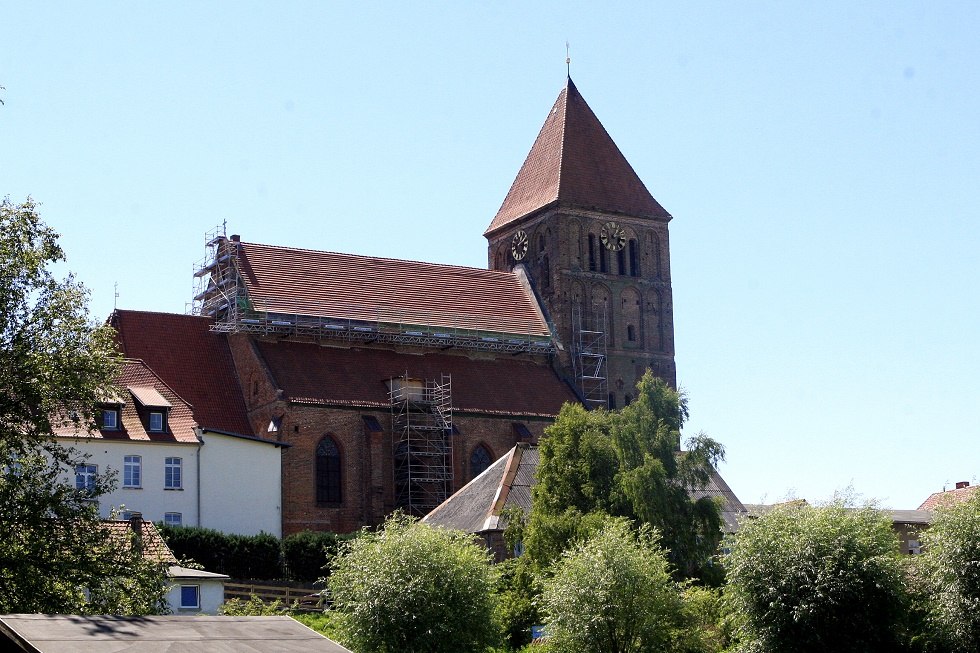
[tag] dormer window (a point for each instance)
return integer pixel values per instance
(156, 421)
(110, 419)
(152, 407)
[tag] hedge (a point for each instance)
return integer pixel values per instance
(299, 557)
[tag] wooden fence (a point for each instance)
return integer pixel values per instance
(298, 598)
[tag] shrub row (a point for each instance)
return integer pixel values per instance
(299, 557)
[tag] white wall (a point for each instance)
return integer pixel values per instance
(241, 485)
(150, 498)
(212, 595)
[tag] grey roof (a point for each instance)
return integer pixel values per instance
(731, 507)
(478, 505)
(469, 508)
(185, 572)
(911, 516)
(38, 633)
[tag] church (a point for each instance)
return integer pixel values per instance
(391, 383)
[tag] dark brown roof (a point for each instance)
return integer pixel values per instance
(949, 497)
(45, 633)
(575, 162)
(137, 378)
(189, 358)
(311, 373)
(296, 281)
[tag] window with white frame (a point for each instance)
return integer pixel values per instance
(156, 421)
(110, 419)
(85, 476)
(132, 471)
(190, 597)
(172, 476)
(173, 519)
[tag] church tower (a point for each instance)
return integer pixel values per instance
(594, 244)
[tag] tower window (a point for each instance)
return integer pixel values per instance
(634, 259)
(545, 272)
(592, 252)
(603, 259)
(631, 333)
(612, 401)
(621, 261)
(328, 471)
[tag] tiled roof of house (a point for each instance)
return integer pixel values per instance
(959, 495)
(312, 373)
(136, 377)
(154, 547)
(575, 163)
(189, 358)
(295, 281)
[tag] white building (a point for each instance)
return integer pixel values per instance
(170, 470)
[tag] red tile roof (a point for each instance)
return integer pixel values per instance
(312, 373)
(154, 546)
(575, 162)
(135, 374)
(345, 286)
(960, 495)
(189, 358)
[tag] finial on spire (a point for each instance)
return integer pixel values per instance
(115, 294)
(568, 61)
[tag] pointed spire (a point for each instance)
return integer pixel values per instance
(575, 163)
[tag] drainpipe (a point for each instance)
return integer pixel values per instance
(200, 444)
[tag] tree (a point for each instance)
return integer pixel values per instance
(627, 463)
(55, 366)
(411, 587)
(613, 594)
(950, 570)
(803, 578)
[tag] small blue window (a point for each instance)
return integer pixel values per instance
(190, 596)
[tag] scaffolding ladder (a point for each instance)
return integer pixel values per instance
(422, 425)
(218, 288)
(589, 356)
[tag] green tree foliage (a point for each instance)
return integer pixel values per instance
(950, 572)
(411, 587)
(55, 366)
(804, 578)
(613, 594)
(626, 463)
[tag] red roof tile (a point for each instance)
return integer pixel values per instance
(948, 497)
(136, 374)
(575, 162)
(349, 287)
(154, 546)
(189, 358)
(311, 373)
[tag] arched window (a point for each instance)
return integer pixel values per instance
(328, 471)
(631, 333)
(479, 461)
(634, 259)
(592, 252)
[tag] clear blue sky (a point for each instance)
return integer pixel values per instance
(821, 161)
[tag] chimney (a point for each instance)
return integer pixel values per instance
(136, 525)
(962, 484)
(236, 238)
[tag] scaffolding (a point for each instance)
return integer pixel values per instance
(422, 425)
(218, 288)
(589, 356)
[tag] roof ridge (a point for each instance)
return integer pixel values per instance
(381, 258)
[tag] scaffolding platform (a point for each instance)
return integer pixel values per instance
(422, 426)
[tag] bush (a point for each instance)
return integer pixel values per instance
(818, 579)
(613, 593)
(411, 587)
